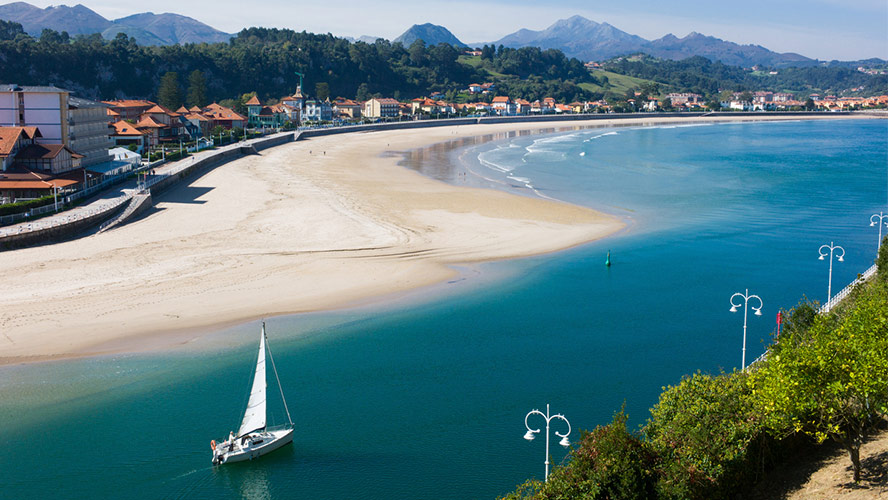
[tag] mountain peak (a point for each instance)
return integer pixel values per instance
(431, 34)
(146, 27)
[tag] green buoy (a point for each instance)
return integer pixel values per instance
(608, 261)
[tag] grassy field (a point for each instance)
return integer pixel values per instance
(616, 83)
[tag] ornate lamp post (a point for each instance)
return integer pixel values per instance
(840, 257)
(530, 434)
(879, 219)
(758, 312)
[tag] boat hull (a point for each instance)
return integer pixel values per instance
(250, 450)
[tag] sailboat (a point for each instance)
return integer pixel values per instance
(254, 438)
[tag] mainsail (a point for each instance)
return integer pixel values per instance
(254, 418)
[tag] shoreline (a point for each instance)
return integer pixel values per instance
(350, 226)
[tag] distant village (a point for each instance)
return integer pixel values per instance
(52, 142)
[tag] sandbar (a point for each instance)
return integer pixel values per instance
(312, 225)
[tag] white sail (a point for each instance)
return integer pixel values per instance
(254, 418)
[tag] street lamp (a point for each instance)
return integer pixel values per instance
(529, 435)
(882, 219)
(758, 312)
(840, 258)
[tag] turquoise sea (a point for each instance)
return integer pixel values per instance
(424, 397)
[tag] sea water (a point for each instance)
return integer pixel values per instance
(426, 397)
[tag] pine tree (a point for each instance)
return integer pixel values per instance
(168, 94)
(197, 90)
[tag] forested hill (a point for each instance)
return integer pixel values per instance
(266, 61)
(700, 75)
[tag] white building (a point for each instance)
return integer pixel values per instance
(43, 107)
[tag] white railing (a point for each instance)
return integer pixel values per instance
(825, 308)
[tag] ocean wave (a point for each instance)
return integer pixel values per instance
(600, 136)
(493, 165)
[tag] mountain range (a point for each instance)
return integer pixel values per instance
(576, 36)
(147, 28)
(591, 41)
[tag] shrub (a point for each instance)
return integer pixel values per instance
(609, 463)
(23, 206)
(706, 436)
(833, 382)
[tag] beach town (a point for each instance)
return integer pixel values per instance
(428, 265)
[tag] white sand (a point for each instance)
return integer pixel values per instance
(285, 232)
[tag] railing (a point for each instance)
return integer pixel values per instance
(74, 216)
(825, 308)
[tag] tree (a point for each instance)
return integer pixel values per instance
(168, 94)
(363, 92)
(746, 96)
(831, 380)
(9, 30)
(701, 430)
(417, 52)
(487, 52)
(197, 89)
(809, 104)
(322, 90)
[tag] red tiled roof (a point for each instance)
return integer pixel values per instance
(10, 135)
(254, 101)
(125, 128)
(22, 178)
(148, 122)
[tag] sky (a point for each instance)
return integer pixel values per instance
(820, 29)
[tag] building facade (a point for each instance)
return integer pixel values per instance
(88, 131)
(43, 107)
(382, 108)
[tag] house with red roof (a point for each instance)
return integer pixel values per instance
(503, 105)
(227, 118)
(12, 140)
(124, 134)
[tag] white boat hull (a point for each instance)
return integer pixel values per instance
(257, 445)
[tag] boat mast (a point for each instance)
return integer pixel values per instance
(280, 388)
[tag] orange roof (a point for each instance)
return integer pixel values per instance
(501, 98)
(22, 178)
(197, 116)
(182, 109)
(124, 128)
(254, 101)
(129, 103)
(195, 109)
(148, 122)
(157, 108)
(10, 135)
(111, 112)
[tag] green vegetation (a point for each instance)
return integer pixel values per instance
(197, 90)
(169, 95)
(266, 60)
(702, 76)
(712, 436)
(20, 207)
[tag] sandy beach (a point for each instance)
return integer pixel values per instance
(313, 225)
